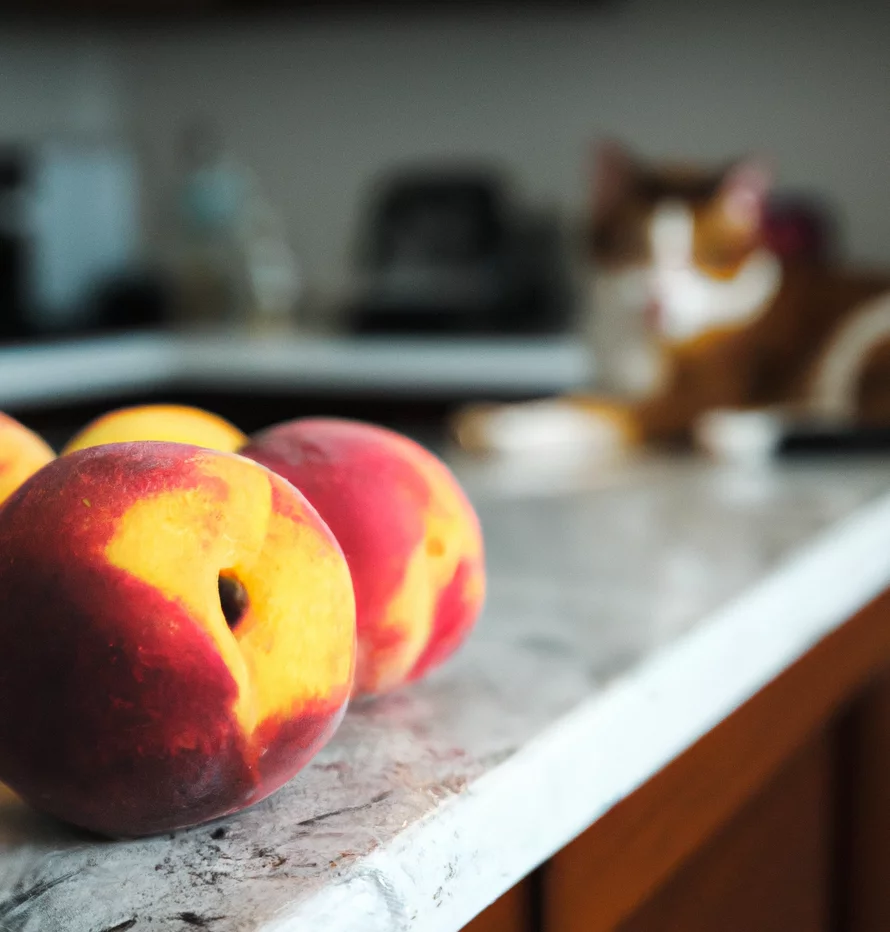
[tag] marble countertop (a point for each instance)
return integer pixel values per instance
(630, 610)
(89, 369)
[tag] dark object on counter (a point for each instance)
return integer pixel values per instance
(764, 436)
(800, 440)
(68, 224)
(13, 246)
(133, 302)
(451, 251)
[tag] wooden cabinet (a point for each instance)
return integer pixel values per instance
(777, 820)
(769, 869)
(513, 912)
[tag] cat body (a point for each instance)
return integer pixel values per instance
(693, 311)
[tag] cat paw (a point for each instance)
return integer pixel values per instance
(739, 435)
(544, 426)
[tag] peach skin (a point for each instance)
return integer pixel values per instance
(22, 453)
(174, 423)
(181, 624)
(410, 535)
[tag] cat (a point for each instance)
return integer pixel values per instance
(695, 310)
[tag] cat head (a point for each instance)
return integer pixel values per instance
(677, 242)
(644, 214)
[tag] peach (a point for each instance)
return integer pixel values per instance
(22, 453)
(411, 538)
(175, 423)
(177, 633)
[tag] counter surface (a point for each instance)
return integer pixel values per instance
(630, 610)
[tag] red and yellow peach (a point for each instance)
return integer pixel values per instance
(410, 536)
(174, 423)
(22, 453)
(177, 633)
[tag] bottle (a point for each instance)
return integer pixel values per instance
(236, 267)
(209, 203)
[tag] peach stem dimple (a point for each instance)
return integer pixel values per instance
(232, 599)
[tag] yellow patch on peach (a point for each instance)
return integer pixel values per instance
(173, 423)
(285, 566)
(451, 535)
(22, 453)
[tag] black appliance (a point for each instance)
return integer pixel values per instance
(453, 251)
(13, 246)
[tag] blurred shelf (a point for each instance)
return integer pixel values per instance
(92, 369)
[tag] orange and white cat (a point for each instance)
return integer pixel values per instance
(693, 313)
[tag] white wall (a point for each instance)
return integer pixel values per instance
(58, 81)
(318, 106)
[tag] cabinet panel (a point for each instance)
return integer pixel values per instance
(864, 856)
(768, 870)
(511, 913)
(601, 879)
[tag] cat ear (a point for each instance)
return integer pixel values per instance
(614, 173)
(743, 193)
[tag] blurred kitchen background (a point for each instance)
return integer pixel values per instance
(376, 209)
